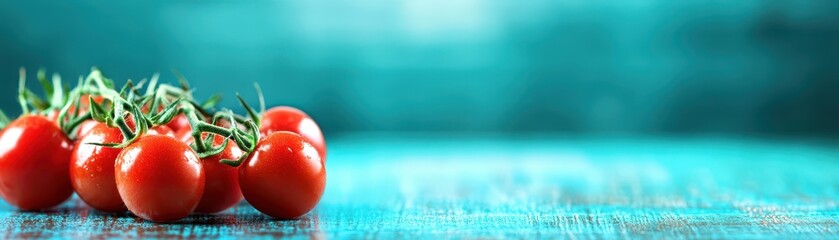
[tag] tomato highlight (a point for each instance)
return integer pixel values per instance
(285, 177)
(159, 178)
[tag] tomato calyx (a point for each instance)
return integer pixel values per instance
(243, 131)
(203, 143)
(118, 114)
(255, 117)
(55, 93)
(62, 105)
(90, 91)
(247, 141)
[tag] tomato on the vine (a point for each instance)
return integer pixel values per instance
(159, 178)
(53, 115)
(221, 188)
(294, 120)
(284, 177)
(161, 130)
(85, 128)
(84, 107)
(85, 103)
(185, 135)
(92, 169)
(179, 122)
(156, 130)
(34, 163)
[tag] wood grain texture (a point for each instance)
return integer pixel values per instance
(489, 188)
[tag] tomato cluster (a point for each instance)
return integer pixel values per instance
(109, 147)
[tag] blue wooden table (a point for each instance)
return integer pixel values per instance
(539, 187)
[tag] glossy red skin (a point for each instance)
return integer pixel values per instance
(284, 178)
(221, 188)
(294, 120)
(34, 164)
(92, 169)
(161, 130)
(159, 178)
(85, 128)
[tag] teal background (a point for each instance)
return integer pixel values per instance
(581, 119)
(464, 67)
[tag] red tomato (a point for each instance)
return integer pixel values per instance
(185, 135)
(161, 130)
(179, 122)
(285, 177)
(34, 164)
(159, 178)
(221, 189)
(92, 169)
(293, 120)
(85, 128)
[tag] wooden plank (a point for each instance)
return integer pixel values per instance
(478, 188)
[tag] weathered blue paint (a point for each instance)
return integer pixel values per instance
(581, 188)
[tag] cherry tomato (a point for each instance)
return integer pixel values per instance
(293, 120)
(221, 189)
(85, 128)
(92, 169)
(161, 130)
(285, 177)
(179, 122)
(159, 178)
(185, 135)
(34, 164)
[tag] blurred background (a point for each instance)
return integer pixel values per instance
(746, 68)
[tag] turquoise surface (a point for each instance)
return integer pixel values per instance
(580, 188)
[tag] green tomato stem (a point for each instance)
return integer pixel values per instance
(21, 97)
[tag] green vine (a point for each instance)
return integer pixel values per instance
(163, 101)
